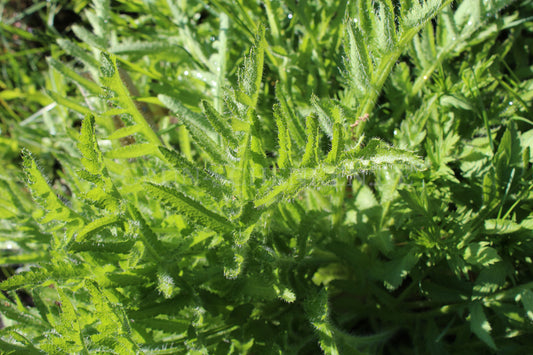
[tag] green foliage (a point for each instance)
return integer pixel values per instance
(200, 179)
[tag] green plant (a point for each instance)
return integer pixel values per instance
(200, 207)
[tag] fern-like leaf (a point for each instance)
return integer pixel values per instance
(310, 157)
(203, 177)
(190, 208)
(111, 79)
(44, 195)
(220, 125)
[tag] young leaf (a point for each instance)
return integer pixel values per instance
(284, 140)
(251, 75)
(328, 114)
(88, 146)
(310, 157)
(294, 126)
(88, 37)
(337, 145)
(358, 62)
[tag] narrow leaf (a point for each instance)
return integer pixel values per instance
(124, 132)
(132, 151)
(527, 302)
(202, 177)
(96, 226)
(480, 325)
(190, 208)
(480, 254)
(111, 78)
(337, 144)
(387, 16)
(501, 226)
(88, 37)
(310, 157)
(284, 140)
(88, 84)
(44, 194)
(219, 124)
(358, 63)
(293, 123)
(75, 50)
(68, 103)
(88, 146)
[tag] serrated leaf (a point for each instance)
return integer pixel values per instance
(337, 145)
(189, 118)
(490, 280)
(203, 177)
(286, 189)
(293, 123)
(88, 146)
(43, 193)
(96, 226)
(165, 284)
(88, 84)
(143, 48)
(317, 310)
(456, 101)
(378, 153)
(68, 336)
(358, 62)
(102, 247)
(190, 208)
(68, 103)
(386, 11)
(251, 74)
(310, 157)
(110, 77)
(284, 140)
(480, 254)
(527, 302)
(88, 37)
(149, 238)
(501, 226)
(75, 50)
(480, 325)
(59, 272)
(527, 223)
(132, 151)
(124, 132)
(396, 270)
(219, 124)
(199, 129)
(329, 113)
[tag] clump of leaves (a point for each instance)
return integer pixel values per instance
(202, 207)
